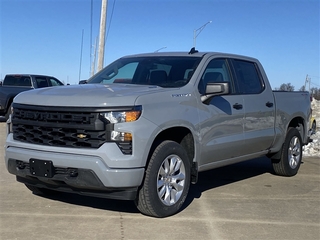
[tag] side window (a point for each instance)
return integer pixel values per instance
(55, 82)
(41, 82)
(248, 77)
(216, 71)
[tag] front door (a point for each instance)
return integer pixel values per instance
(222, 119)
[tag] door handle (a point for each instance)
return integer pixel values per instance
(237, 106)
(269, 104)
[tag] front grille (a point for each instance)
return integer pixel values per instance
(58, 127)
(62, 137)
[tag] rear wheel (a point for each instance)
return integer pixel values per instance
(291, 155)
(167, 181)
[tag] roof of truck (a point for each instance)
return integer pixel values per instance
(25, 74)
(191, 53)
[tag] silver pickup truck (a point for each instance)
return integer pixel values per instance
(146, 125)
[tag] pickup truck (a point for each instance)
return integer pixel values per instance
(143, 128)
(14, 84)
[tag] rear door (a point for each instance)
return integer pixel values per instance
(259, 107)
(222, 119)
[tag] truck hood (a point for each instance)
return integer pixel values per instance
(88, 95)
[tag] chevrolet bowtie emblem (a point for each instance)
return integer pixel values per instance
(81, 135)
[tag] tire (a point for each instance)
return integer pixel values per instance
(167, 181)
(291, 155)
(39, 191)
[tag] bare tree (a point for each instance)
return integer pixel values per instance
(303, 88)
(287, 87)
(315, 92)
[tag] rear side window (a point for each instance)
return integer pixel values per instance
(42, 82)
(55, 82)
(17, 80)
(248, 77)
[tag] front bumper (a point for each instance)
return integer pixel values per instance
(80, 173)
(79, 181)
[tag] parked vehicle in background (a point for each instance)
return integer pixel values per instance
(143, 128)
(14, 84)
(313, 125)
(83, 81)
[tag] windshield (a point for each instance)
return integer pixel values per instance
(160, 71)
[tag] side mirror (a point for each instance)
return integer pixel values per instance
(0, 83)
(215, 89)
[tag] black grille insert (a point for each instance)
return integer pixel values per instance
(70, 128)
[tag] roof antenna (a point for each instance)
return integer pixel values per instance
(193, 50)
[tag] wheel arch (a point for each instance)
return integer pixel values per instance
(181, 135)
(185, 138)
(300, 125)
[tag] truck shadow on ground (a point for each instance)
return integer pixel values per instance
(227, 175)
(207, 180)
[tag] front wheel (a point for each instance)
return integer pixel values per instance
(291, 155)
(167, 181)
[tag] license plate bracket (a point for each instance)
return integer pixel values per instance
(41, 168)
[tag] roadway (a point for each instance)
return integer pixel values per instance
(243, 201)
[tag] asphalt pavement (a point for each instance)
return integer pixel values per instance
(243, 201)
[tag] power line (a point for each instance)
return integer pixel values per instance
(81, 55)
(91, 19)
(313, 76)
(114, 3)
(314, 84)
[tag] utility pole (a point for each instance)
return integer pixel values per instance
(102, 34)
(81, 55)
(93, 65)
(308, 80)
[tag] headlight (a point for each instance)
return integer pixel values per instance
(115, 117)
(120, 117)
